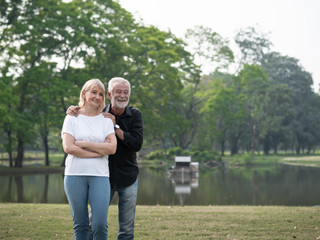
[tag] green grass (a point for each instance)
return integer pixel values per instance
(34, 159)
(308, 161)
(263, 160)
(53, 221)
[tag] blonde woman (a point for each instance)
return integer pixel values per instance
(88, 140)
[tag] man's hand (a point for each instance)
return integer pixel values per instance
(73, 111)
(109, 115)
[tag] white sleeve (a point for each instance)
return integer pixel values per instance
(109, 128)
(68, 126)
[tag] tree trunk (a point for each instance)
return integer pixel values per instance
(46, 149)
(254, 138)
(9, 148)
(222, 147)
(10, 159)
(234, 146)
(20, 155)
(298, 150)
(266, 145)
(275, 150)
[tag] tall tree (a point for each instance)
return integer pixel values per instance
(287, 70)
(223, 111)
(7, 115)
(278, 111)
(159, 67)
(253, 45)
(253, 82)
(210, 49)
(36, 38)
(9, 13)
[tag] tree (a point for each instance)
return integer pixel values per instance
(44, 84)
(209, 48)
(253, 46)
(9, 12)
(160, 67)
(253, 82)
(7, 116)
(278, 111)
(35, 41)
(223, 111)
(66, 34)
(286, 70)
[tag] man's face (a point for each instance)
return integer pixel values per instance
(120, 96)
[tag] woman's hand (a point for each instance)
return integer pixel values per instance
(81, 144)
(79, 149)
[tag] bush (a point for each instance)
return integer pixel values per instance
(158, 154)
(177, 151)
(168, 155)
(197, 156)
(205, 156)
(243, 159)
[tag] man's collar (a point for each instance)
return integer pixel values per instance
(126, 112)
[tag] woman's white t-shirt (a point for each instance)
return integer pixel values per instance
(92, 129)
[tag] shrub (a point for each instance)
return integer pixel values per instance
(197, 156)
(158, 154)
(177, 151)
(205, 156)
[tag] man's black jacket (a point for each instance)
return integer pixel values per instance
(123, 164)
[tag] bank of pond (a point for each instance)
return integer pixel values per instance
(233, 183)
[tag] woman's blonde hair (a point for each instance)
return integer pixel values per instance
(87, 87)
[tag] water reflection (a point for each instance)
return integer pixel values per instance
(278, 185)
(184, 178)
(40, 188)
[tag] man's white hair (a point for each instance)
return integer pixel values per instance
(115, 80)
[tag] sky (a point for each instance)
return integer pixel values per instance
(293, 25)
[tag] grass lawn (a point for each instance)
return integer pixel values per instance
(308, 161)
(53, 221)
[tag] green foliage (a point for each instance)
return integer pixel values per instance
(247, 159)
(157, 155)
(209, 46)
(205, 156)
(253, 45)
(168, 155)
(48, 49)
(196, 156)
(177, 151)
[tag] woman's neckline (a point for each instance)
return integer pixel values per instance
(81, 112)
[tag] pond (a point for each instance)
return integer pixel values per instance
(278, 185)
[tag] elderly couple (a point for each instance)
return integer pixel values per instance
(101, 142)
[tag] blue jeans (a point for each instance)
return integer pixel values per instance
(83, 189)
(127, 209)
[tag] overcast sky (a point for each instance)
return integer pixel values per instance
(294, 25)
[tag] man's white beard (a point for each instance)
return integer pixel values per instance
(120, 105)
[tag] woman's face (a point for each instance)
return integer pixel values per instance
(94, 97)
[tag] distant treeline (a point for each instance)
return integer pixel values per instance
(48, 49)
